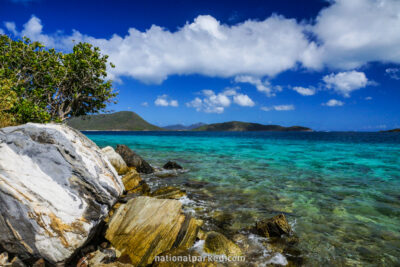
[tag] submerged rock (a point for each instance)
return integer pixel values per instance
(169, 192)
(134, 160)
(55, 188)
(145, 227)
(273, 227)
(170, 165)
(216, 243)
(116, 160)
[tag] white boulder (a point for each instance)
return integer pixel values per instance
(55, 188)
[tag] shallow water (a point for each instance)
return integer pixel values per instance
(341, 191)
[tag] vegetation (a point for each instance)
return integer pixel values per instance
(119, 121)
(42, 85)
(248, 126)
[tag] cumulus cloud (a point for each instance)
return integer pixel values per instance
(279, 108)
(164, 101)
(346, 35)
(304, 91)
(216, 103)
(333, 103)
(353, 33)
(262, 86)
(11, 27)
(393, 73)
(346, 82)
(243, 100)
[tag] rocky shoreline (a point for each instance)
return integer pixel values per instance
(65, 202)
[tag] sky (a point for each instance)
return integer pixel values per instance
(328, 65)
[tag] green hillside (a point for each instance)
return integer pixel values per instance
(119, 121)
(248, 126)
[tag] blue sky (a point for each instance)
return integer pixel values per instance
(328, 65)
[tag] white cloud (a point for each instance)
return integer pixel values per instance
(204, 46)
(279, 108)
(333, 103)
(346, 82)
(243, 100)
(368, 98)
(304, 91)
(262, 86)
(356, 32)
(1, 31)
(393, 73)
(10, 26)
(145, 104)
(164, 101)
(216, 103)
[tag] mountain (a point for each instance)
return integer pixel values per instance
(119, 121)
(181, 127)
(392, 131)
(248, 126)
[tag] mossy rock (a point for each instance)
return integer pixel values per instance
(216, 243)
(273, 227)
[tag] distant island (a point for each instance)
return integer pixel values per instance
(181, 127)
(238, 126)
(397, 130)
(130, 121)
(119, 121)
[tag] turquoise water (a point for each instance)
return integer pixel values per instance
(340, 191)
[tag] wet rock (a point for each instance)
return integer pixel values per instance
(145, 227)
(166, 173)
(182, 259)
(172, 165)
(195, 184)
(56, 186)
(134, 160)
(273, 227)
(115, 160)
(169, 192)
(216, 243)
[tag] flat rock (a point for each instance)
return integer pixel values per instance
(145, 227)
(273, 227)
(216, 243)
(56, 186)
(115, 160)
(134, 160)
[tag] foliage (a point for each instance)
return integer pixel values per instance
(8, 98)
(51, 85)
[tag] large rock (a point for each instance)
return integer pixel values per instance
(273, 227)
(218, 244)
(55, 188)
(116, 160)
(134, 160)
(145, 227)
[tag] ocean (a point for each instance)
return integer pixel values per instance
(339, 190)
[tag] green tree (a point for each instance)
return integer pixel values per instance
(53, 86)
